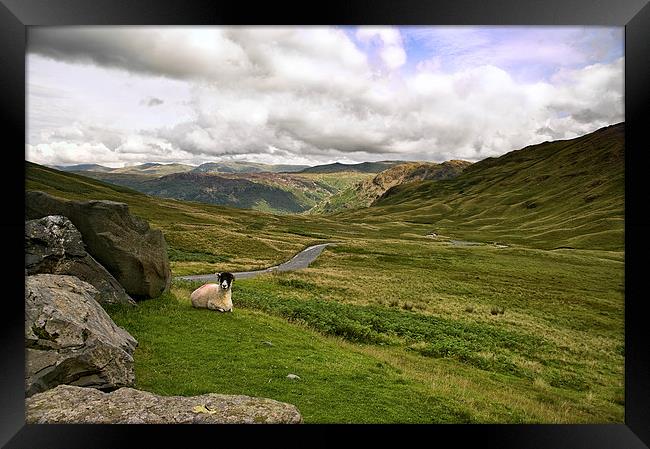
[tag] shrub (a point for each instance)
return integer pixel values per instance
(296, 283)
(497, 310)
(407, 306)
(437, 336)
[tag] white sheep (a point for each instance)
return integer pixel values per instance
(215, 296)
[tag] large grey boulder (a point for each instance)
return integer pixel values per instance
(71, 405)
(54, 246)
(70, 339)
(125, 245)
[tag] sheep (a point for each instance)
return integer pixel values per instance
(215, 296)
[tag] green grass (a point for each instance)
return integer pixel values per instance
(365, 363)
(560, 316)
(189, 352)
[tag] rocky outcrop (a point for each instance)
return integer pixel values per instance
(54, 246)
(71, 405)
(125, 245)
(374, 188)
(70, 339)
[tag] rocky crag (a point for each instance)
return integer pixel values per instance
(70, 339)
(54, 245)
(125, 245)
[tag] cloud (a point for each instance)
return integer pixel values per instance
(283, 94)
(389, 44)
(264, 56)
(175, 52)
(527, 53)
(151, 101)
(548, 131)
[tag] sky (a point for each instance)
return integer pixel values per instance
(126, 95)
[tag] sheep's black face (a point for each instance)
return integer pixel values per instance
(225, 280)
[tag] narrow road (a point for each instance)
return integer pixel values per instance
(300, 260)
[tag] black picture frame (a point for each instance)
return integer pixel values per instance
(16, 15)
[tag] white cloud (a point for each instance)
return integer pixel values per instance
(286, 94)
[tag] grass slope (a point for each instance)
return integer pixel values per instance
(562, 193)
(251, 353)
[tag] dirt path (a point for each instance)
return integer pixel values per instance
(300, 260)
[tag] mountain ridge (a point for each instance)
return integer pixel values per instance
(570, 191)
(363, 167)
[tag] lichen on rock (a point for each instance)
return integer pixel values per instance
(70, 339)
(53, 245)
(67, 404)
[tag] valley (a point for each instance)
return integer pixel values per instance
(242, 185)
(272, 188)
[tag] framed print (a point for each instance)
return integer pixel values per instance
(352, 215)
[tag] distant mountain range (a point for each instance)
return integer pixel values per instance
(232, 167)
(363, 167)
(265, 191)
(83, 167)
(152, 168)
(272, 188)
(246, 167)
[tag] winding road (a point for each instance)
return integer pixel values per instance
(300, 260)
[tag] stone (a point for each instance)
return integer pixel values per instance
(70, 339)
(54, 246)
(293, 377)
(125, 245)
(67, 404)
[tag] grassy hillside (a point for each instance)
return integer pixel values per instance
(557, 194)
(365, 192)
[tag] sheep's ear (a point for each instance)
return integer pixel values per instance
(218, 276)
